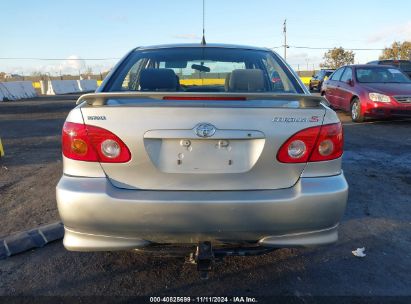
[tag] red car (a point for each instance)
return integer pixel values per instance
(369, 91)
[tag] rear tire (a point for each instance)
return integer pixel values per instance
(356, 114)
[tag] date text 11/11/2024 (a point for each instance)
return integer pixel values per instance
(203, 300)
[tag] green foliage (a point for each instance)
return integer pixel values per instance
(337, 57)
(397, 51)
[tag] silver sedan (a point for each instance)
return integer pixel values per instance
(197, 144)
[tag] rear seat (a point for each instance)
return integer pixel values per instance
(246, 80)
(159, 80)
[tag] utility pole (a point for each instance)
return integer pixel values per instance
(285, 39)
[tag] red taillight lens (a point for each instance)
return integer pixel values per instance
(314, 144)
(93, 144)
(76, 144)
(306, 136)
(329, 144)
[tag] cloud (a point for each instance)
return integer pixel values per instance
(392, 33)
(72, 66)
(187, 36)
(297, 56)
(302, 60)
(16, 70)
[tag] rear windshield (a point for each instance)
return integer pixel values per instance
(403, 64)
(203, 70)
(381, 75)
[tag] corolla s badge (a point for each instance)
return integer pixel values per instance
(205, 130)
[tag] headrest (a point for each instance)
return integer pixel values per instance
(248, 80)
(227, 82)
(158, 80)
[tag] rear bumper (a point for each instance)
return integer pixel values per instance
(98, 216)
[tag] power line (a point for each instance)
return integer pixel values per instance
(117, 58)
(324, 48)
(329, 48)
(286, 46)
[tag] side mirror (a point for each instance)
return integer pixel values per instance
(350, 82)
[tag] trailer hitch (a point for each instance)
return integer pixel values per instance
(204, 258)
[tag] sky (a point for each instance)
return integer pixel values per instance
(109, 29)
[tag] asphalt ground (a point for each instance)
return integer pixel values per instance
(377, 165)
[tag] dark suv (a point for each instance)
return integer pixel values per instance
(317, 80)
(404, 65)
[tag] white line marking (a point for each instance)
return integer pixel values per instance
(7, 248)
(42, 235)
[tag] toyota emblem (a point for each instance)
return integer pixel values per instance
(205, 130)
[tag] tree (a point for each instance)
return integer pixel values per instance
(337, 57)
(397, 51)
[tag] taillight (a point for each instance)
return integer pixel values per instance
(93, 144)
(329, 143)
(76, 144)
(313, 144)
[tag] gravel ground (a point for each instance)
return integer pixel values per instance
(377, 164)
(30, 131)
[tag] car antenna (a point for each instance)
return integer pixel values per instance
(203, 41)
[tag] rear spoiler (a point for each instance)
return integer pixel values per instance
(100, 99)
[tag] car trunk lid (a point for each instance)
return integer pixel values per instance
(228, 142)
